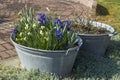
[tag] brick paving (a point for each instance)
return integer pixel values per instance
(4, 55)
(9, 8)
(6, 48)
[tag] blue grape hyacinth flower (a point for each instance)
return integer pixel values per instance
(59, 34)
(58, 22)
(42, 18)
(14, 33)
(68, 24)
(65, 23)
(69, 28)
(60, 37)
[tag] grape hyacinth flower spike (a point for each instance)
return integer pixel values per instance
(42, 18)
(14, 33)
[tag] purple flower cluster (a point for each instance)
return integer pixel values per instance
(59, 34)
(62, 24)
(14, 33)
(42, 18)
(57, 23)
(68, 24)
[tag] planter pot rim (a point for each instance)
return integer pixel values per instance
(41, 50)
(99, 24)
(93, 34)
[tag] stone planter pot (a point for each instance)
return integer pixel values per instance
(59, 62)
(96, 44)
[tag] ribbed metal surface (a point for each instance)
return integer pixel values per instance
(58, 62)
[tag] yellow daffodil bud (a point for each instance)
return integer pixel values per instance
(34, 25)
(29, 33)
(20, 34)
(24, 38)
(16, 39)
(46, 38)
(42, 27)
(55, 27)
(26, 26)
(41, 32)
(46, 33)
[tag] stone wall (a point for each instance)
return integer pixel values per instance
(92, 4)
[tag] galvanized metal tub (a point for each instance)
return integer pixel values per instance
(59, 62)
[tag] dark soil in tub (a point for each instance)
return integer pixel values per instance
(88, 28)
